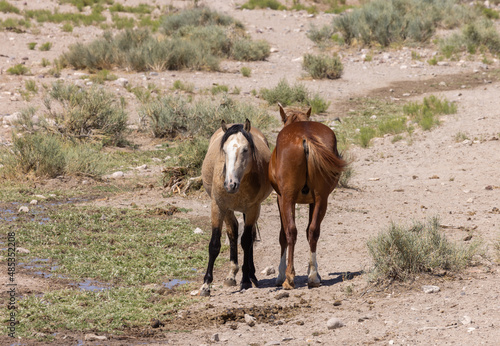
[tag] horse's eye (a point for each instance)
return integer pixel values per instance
(245, 150)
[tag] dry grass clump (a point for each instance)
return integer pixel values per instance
(401, 252)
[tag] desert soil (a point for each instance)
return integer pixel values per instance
(401, 182)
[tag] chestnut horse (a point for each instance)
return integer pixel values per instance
(234, 174)
(305, 168)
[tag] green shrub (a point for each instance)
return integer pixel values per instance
(272, 4)
(179, 85)
(402, 252)
(48, 156)
(323, 66)
(103, 75)
(45, 62)
(92, 114)
(294, 95)
(196, 39)
(30, 85)
(46, 46)
(386, 22)
(190, 154)
(217, 89)
(67, 27)
(246, 71)
(173, 116)
(318, 104)
(248, 50)
(285, 94)
(31, 45)
(18, 70)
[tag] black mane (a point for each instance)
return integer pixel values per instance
(234, 130)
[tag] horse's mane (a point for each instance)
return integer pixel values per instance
(234, 130)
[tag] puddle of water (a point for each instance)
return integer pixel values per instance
(175, 282)
(91, 285)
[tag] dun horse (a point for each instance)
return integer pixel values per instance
(305, 168)
(234, 173)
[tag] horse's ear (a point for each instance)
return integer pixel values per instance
(282, 113)
(309, 113)
(223, 125)
(248, 126)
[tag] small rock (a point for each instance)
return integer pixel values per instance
(33, 202)
(334, 323)
(272, 343)
(430, 289)
(215, 338)
(22, 250)
(443, 63)
(143, 167)
(442, 84)
(195, 292)
(250, 320)
(268, 270)
(337, 303)
(93, 337)
(198, 230)
(40, 197)
(117, 175)
(23, 209)
(282, 295)
(466, 320)
(488, 187)
(156, 323)
(373, 179)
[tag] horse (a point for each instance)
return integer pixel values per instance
(235, 176)
(305, 168)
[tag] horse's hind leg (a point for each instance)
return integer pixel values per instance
(282, 267)
(213, 249)
(248, 268)
(232, 233)
(317, 212)
(287, 213)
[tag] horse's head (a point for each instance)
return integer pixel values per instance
(293, 116)
(239, 150)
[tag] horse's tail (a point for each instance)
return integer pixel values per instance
(322, 160)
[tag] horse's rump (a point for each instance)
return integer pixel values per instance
(323, 162)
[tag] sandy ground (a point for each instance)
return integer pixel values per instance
(400, 182)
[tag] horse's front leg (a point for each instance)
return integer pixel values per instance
(213, 248)
(232, 233)
(248, 268)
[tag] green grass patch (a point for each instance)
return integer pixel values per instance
(124, 249)
(18, 70)
(45, 46)
(67, 27)
(102, 76)
(402, 252)
(44, 16)
(180, 85)
(31, 45)
(272, 4)
(6, 7)
(139, 9)
(217, 89)
(426, 114)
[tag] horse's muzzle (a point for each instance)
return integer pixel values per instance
(232, 187)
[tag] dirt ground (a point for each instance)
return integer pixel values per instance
(400, 182)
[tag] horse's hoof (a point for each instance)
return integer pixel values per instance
(288, 286)
(205, 292)
(245, 285)
(229, 282)
(313, 284)
(279, 282)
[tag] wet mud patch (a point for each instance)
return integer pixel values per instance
(265, 314)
